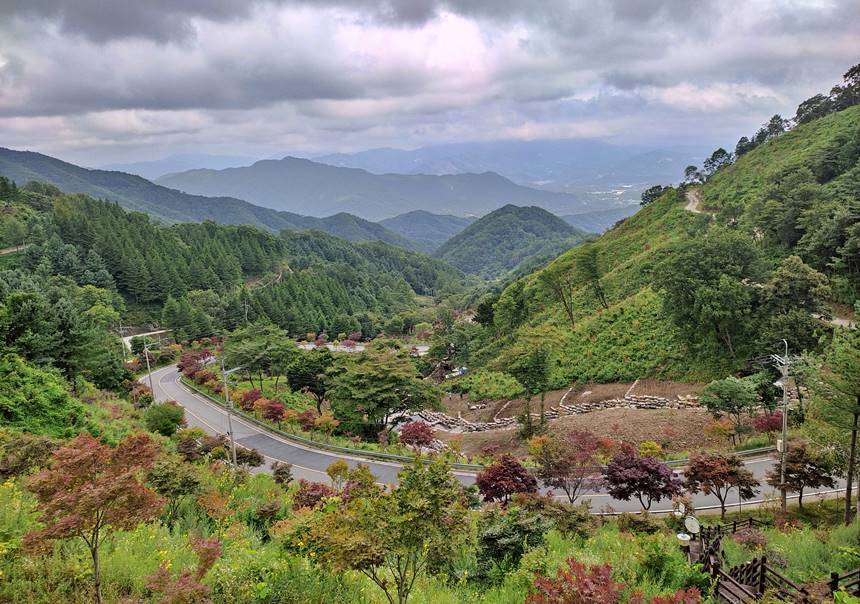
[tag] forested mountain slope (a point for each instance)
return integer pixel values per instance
(170, 205)
(504, 239)
(210, 277)
(697, 295)
(425, 228)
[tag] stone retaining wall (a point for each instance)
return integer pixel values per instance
(447, 423)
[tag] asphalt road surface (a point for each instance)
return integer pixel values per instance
(310, 464)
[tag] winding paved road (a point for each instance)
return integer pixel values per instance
(311, 463)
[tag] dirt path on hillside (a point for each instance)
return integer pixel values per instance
(694, 201)
(13, 249)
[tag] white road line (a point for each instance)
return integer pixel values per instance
(219, 431)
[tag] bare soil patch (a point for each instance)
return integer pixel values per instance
(669, 390)
(487, 443)
(676, 430)
(673, 429)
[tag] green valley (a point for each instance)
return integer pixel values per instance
(502, 392)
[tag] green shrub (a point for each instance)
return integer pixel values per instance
(639, 523)
(164, 418)
(484, 385)
(36, 401)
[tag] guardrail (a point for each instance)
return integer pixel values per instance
(315, 444)
(744, 453)
(390, 457)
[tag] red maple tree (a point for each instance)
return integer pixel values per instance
(568, 462)
(719, 474)
(768, 423)
(506, 476)
(273, 411)
(91, 489)
(416, 434)
(648, 479)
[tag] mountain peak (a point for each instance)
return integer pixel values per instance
(507, 239)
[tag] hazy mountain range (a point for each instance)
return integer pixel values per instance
(599, 221)
(417, 229)
(169, 205)
(307, 187)
(585, 167)
(426, 229)
(154, 169)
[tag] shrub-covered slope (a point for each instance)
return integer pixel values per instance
(798, 194)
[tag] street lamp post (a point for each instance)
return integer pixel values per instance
(229, 406)
(121, 341)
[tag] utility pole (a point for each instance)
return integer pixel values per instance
(121, 341)
(783, 363)
(229, 407)
(148, 369)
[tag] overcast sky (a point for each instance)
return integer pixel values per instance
(97, 81)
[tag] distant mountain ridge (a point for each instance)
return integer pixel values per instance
(169, 205)
(599, 221)
(508, 238)
(425, 228)
(153, 169)
(300, 185)
(605, 171)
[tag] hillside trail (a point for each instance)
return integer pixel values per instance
(13, 249)
(694, 201)
(694, 205)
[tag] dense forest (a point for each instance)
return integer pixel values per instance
(213, 277)
(507, 239)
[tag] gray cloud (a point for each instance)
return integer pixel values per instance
(101, 21)
(94, 78)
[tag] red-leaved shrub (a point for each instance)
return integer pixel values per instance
(310, 494)
(248, 398)
(307, 420)
(416, 434)
(768, 423)
(577, 584)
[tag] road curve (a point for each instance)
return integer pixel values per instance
(310, 464)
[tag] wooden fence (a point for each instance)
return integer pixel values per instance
(746, 583)
(850, 582)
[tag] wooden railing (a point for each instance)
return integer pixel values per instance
(746, 583)
(850, 582)
(710, 532)
(762, 577)
(731, 590)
